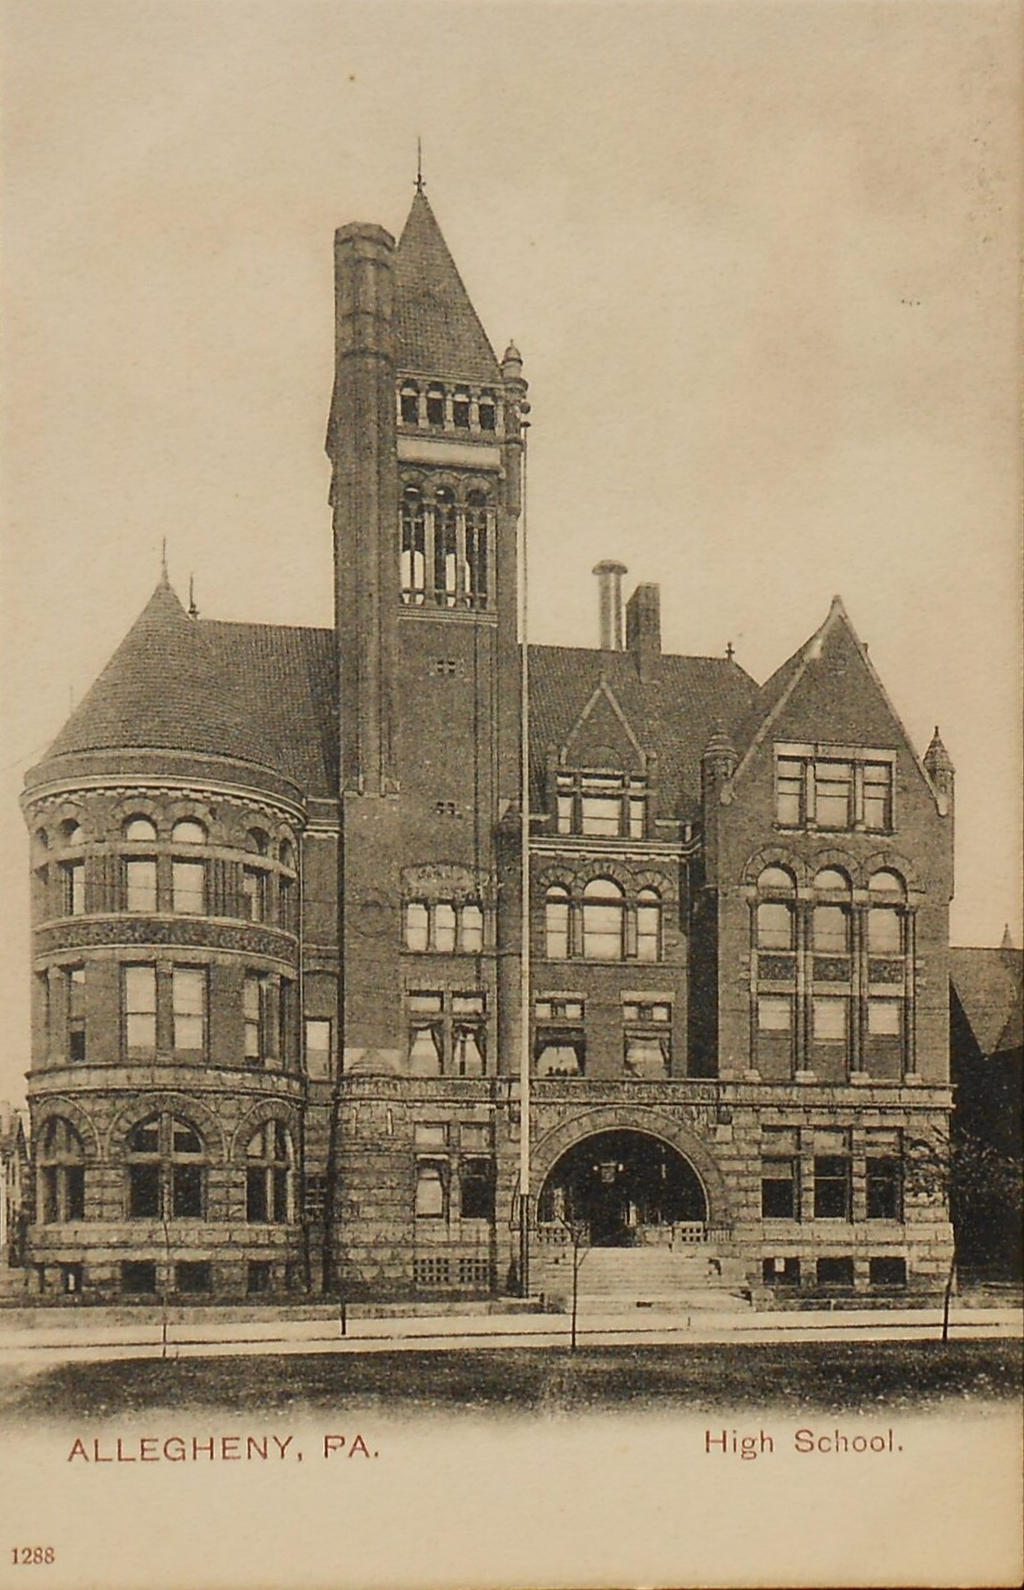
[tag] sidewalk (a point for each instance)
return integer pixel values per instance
(44, 1344)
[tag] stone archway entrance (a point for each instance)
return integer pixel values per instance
(626, 1188)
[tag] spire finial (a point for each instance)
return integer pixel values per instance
(163, 561)
(730, 651)
(193, 611)
(419, 166)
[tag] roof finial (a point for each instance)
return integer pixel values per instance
(193, 611)
(419, 166)
(163, 562)
(730, 651)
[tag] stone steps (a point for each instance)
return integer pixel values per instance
(631, 1278)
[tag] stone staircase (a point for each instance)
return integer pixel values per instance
(616, 1280)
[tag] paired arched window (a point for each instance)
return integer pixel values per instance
(268, 1164)
(61, 1163)
(445, 547)
(603, 924)
(165, 1161)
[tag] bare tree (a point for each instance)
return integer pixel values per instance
(962, 1171)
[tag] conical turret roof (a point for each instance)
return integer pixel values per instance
(437, 329)
(167, 687)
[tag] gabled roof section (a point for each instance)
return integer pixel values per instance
(671, 717)
(603, 731)
(257, 693)
(988, 984)
(438, 332)
(848, 695)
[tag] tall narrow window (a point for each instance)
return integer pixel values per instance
(833, 794)
(254, 1018)
(884, 1188)
(648, 926)
(435, 405)
(832, 1176)
(61, 1173)
(877, 795)
(188, 984)
(426, 1034)
(468, 1035)
(789, 792)
(409, 404)
(76, 1012)
(417, 926)
(602, 920)
(254, 894)
(431, 1190)
(414, 548)
(445, 548)
(460, 410)
(556, 923)
(471, 927)
(188, 887)
(139, 1001)
(444, 927)
(476, 549)
(73, 879)
(140, 884)
(487, 412)
(268, 1164)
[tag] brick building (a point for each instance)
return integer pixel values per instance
(279, 908)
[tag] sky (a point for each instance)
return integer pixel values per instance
(760, 261)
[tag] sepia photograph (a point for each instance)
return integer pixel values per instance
(511, 789)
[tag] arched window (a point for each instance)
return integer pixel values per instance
(188, 832)
(71, 832)
(476, 549)
(413, 566)
(446, 583)
(61, 1173)
(409, 403)
(268, 1162)
(258, 842)
(165, 1163)
(776, 920)
(556, 923)
(602, 920)
(648, 925)
(830, 923)
(139, 828)
(287, 854)
(886, 913)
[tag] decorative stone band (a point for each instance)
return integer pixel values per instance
(241, 937)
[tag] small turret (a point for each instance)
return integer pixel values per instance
(940, 770)
(717, 763)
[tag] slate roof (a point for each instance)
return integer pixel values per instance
(258, 693)
(437, 329)
(988, 984)
(674, 715)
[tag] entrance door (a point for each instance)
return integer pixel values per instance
(622, 1185)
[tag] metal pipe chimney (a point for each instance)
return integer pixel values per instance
(609, 575)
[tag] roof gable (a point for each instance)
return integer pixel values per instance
(601, 736)
(438, 332)
(829, 684)
(988, 984)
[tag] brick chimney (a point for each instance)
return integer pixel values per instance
(643, 629)
(609, 575)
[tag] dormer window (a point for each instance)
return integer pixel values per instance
(608, 806)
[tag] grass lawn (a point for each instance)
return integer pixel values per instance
(831, 1377)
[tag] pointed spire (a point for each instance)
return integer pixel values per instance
(937, 758)
(419, 184)
(438, 332)
(193, 611)
(163, 562)
(1007, 943)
